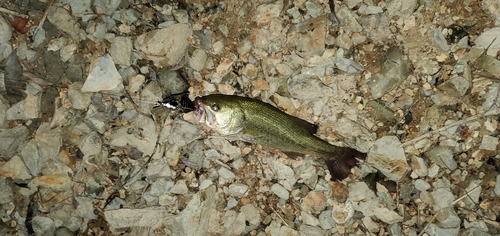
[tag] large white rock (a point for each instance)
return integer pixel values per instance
(166, 47)
(103, 76)
(388, 157)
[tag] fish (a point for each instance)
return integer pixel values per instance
(254, 121)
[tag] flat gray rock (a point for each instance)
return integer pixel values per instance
(179, 188)
(195, 218)
(284, 173)
(193, 156)
(6, 195)
(311, 36)
(180, 15)
(226, 173)
(497, 186)
(435, 230)
(5, 31)
(198, 59)
(252, 214)
(440, 41)
(489, 64)
(78, 8)
(4, 106)
(5, 50)
(442, 198)
(234, 223)
(489, 143)
(183, 132)
(28, 108)
(126, 218)
(265, 12)
(43, 225)
(348, 19)
(48, 140)
(142, 136)
(395, 68)
(121, 51)
(80, 100)
(377, 28)
(32, 158)
(442, 156)
(308, 87)
(326, 220)
(380, 112)
(15, 169)
(172, 82)
(11, 139)
(359, 191)
(64, 21)
(355, 135)
(106, 7)
(378, 209)
(432, 119)
(456, 86)
(310, 230)
(489, 39)
(419, 166)
(280, 191)
(422, 185)
(400, 8)
(238, 190)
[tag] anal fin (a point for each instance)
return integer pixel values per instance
(293, 155)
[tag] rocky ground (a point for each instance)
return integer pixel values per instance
(85, 152)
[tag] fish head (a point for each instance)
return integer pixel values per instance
(222, 113)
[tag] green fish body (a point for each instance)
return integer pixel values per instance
(257, 122)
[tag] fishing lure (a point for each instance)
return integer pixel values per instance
(178, 101)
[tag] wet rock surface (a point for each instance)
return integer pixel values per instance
(84, 150)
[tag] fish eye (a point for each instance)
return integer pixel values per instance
(215, 107)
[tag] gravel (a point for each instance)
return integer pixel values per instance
(85, 150)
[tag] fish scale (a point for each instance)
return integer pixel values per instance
(286, 135)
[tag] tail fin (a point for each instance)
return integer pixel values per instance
(341, 162)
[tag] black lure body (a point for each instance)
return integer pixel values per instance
(179, 101)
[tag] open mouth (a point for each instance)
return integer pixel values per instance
(199, 109)
(203, 115)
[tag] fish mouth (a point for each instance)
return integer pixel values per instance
(203, 115)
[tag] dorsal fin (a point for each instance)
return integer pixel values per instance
(310, 128)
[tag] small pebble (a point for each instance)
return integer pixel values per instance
(497, 186)
(238, 190)
(489, 143)
(226, 174)
(422, 185)
(280, 191)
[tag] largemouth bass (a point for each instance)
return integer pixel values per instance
(257, 122)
